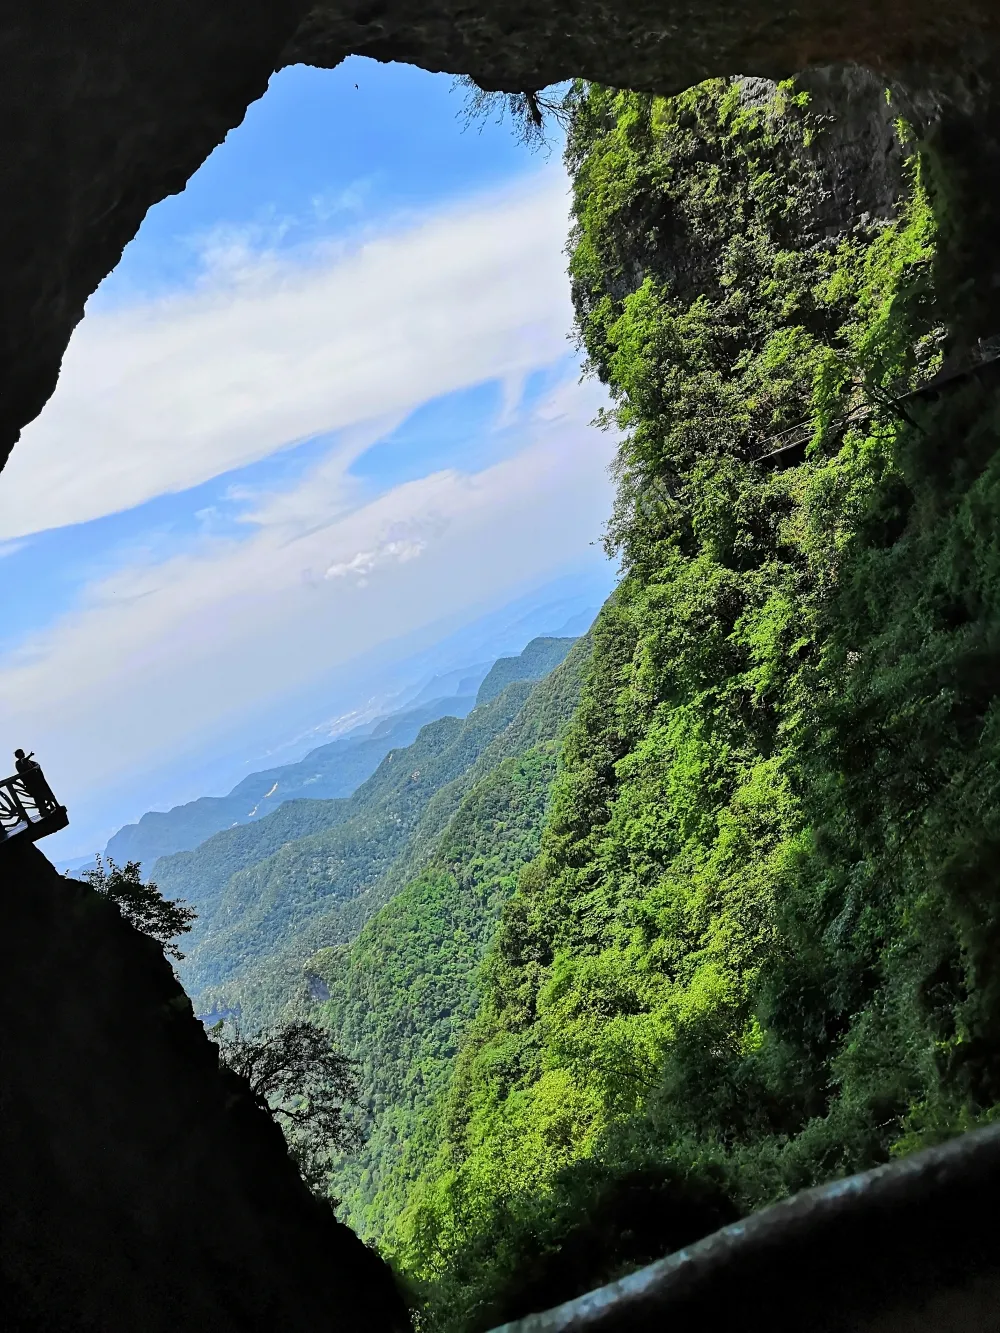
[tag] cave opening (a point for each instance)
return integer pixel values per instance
(326, 414)
(699, 826)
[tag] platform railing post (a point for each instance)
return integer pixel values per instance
(16, 802)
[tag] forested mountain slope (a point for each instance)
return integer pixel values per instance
(199, 877)
(402, 994)
(318, 888)
(328, 772)
(539, 658)
(337, 768)
(760, 945)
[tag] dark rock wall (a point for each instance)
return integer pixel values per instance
(140, 1188)
(108, 107)
(665, 45)
(957, 118)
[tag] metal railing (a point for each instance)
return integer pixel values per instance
(28, 807)
(790, 443)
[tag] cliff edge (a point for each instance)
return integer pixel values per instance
(142, 1187)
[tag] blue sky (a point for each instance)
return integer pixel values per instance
(325, 409)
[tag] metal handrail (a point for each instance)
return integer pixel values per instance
(985, 355)
(28, 806)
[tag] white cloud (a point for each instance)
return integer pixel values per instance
(397, 550)
(159, 653)
(351, 199)
(272, 348)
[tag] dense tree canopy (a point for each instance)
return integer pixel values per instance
(759, 945)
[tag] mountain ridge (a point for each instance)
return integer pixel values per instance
(258, 886)
(328, 771)
(331, 771)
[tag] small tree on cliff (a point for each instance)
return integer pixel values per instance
(143, 905)
(295, 1072)
(530, 111)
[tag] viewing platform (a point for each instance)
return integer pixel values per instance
(28, 808)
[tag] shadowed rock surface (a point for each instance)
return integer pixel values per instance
(909, 1248)
(110, 106)
(140, 1187)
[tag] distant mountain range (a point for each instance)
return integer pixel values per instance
(337, 769)
(256, 900)
(539, 658)
(327, 772)
(270, 891)
(445, 660)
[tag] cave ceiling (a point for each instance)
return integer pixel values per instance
(112, 105)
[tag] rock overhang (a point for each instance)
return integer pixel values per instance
(112, 106)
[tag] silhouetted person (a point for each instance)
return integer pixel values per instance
(30, 773)
(24, 763)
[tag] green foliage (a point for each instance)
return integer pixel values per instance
(295, 1073)
(760, 944)
(142, 905)
(201, 875)
(539, 658)
(318, 890)
(402, 995)
(330, 772)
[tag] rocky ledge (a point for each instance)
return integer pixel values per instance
(907, 1248)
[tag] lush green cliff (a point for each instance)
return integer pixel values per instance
(759, 945)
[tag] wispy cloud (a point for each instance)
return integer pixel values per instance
(161, 651)
(334, 203)
(393, 550)
(271, 587)
(273, 348)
